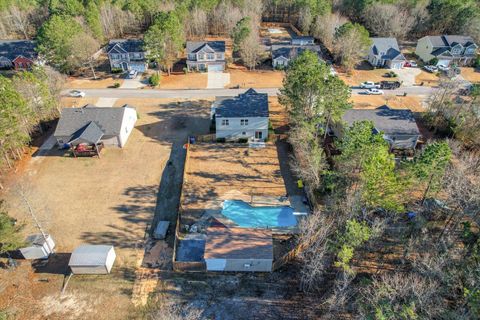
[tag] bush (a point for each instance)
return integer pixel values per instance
(433, 62)
(185, 70)
(243, 140)
(117, 70)
(221, 140)
(154, 80)
(476, 64)
(116, 85)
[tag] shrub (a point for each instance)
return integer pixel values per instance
(221, 140)
(476, 64)
(154, 80)
(185, 70)
(434, 61)
(116, 85)
(243, 140)
(117, 70)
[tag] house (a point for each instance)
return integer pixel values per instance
(283, 54)
(91, 125)
(206, 55)
(92, 259)
(127, 55)
(243, 116)
(385, 53)
(460, 50)
(17, 54)
(398, 127)
(302, 40)
(238, 249)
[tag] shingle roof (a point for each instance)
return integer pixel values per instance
(289, 51)
(195, 46)
(248, 104)
(109, 120)
(90, 133)
(128, 45)
(389, 121)
(89, 255)
(238, 243)
(388, 47)
(14, 48)
(441, 51)
(302, 38)
(450, 40)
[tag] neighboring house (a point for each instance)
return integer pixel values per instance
(127, 55)
(460, 50)
(385, 53)
(91, 125)
(398, 127)
(238, 249)
(283, 54)
(244, 116)
(206, 55)
(17, 54)
(302, 40)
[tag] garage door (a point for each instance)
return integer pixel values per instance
(215, 68)
(443, 62)
(137, 67)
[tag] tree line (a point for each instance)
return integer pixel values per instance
(360, 251)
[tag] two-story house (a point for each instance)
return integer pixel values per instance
(385, 53)
(243, 116)
(206, 55)
(17, 54)
(460, 50)
(127, 55)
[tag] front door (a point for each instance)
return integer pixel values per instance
(258, 135)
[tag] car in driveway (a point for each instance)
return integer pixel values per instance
(132, 74)
(369, 85)
(373, 91)
(441, 67)
(431, 69)
(76, 94)
(411, 64)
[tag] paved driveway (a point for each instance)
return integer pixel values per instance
(133, 83)
(407, 75)
(218, 80)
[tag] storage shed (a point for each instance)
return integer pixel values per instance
(92, 259)
(39, 247)
(239, 249)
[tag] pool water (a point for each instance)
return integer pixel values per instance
(246, 216)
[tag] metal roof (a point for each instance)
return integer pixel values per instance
(14, 48)
(126, 45)
(238, 243)
(248, 104)
(109, 120)
(90, 255)
(195, 46)
(389, 121)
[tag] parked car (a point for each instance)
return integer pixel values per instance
(441, 67)
(373, 91)
(431, 69)
(411, 64)
(390, 85)
(369, 85)
(132, 74)
(76, 94)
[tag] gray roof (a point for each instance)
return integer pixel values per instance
(387, 48)
(390, 121)
(126, 45)
(451, 40)
(289, 51)
(14, 48)
(195, 46)
(310, 38)
(248, 104)
(90, 133)
(90, 255)
(109, 120)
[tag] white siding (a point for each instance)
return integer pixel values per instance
(235, 130)
(129, 119)
(216, 264)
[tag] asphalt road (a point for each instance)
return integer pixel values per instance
(205, 93)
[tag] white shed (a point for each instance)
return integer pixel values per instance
(92, 259)
(39, 247)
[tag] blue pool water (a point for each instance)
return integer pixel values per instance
(247, 216)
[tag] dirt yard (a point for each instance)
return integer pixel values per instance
(278, 115)
(276, 34)
(92, 84)
(180, 80)
(396, 102)
(256, 79)
(356, 77)
(471, 74)
(428, 79)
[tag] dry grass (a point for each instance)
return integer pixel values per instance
(471, 74)
(78, 102)
(428, 79)
(256, 79)
(396, 102)
(278, 114)
(356, 77)
(91, 83)
(192, 80)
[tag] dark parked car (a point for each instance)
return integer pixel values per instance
(390, 85)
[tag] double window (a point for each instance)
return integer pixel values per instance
(225, 122)
(244, 122)
(210, 56)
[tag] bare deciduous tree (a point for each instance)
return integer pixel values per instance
(197, 24)
(325, 27)
(116, 22)
(389, 20)
(251, 51)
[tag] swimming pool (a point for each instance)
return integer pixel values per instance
(246, 216)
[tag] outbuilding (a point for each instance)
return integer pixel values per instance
(239, 249)
(92, 259)
(39, 247)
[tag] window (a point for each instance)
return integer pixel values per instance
(210, 56)
(225, 122)
(244, 133)
(244, 122)
(201, 56)
(219, 56)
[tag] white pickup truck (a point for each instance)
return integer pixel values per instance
(369, 85)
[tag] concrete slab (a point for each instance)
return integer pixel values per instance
(133, 83)
(407, 76)
(218, 80)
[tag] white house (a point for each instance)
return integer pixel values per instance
(243, 116)
(91, 124)
(460, 50)
(385, 53)
(238, 249)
